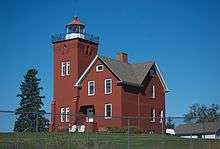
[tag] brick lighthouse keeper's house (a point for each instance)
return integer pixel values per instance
(101, 88)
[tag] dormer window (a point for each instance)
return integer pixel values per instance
(99, 68)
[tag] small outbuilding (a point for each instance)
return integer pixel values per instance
(207, 130)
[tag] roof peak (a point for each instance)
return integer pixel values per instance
(144, 62)
(75, 21)
(130, 73)
(102, 56)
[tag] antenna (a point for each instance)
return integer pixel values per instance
(75, 2)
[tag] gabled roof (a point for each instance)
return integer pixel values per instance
(198, 128)
(133, 74)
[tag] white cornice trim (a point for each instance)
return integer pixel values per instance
(162, 79)
(86, 71)
(77, 84)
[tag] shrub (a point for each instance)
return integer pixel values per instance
(124, 129)
(62, 130)
(115, 129)
(134, 129)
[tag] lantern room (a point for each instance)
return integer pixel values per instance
(75, 29)
(75, 26)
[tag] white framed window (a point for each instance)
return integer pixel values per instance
(68, 68)
(108, 111)
(91, 88)
(62, 68)
(62, 114)
(65, 68)
(153, 115)
(99, 68)
(161, 116)
(152, 92)
(67, 114)
(108, 86)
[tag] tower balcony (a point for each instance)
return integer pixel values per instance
(67, 36)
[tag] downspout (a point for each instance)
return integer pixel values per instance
(53, 114)
(139, 114)
(138, 110)
(75, 115)
(77, 103)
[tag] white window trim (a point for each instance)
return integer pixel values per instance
(154, 114)
(68, 68)
(108, 117)
(97, 70)
(67, 112)
(62, 114)
(161, 116)
(89, 94)
(62, 69)
(154, 93)
(106, 86)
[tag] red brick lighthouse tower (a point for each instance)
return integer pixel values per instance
(73, 52)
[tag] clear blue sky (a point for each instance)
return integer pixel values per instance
(182, 36)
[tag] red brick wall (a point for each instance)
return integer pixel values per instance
(158, 103)
(100, 98)
(126, 101)
(80, 53)
(130, 105)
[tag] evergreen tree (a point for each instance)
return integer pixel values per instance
(170, 124)
(30, 114)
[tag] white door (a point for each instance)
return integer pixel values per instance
(90, 114)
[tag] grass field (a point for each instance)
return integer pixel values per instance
(100, 141)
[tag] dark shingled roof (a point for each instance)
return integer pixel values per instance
(198, 128)
(131, 73)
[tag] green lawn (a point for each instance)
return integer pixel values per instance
(100, 141)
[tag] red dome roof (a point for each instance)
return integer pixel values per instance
(75, 21)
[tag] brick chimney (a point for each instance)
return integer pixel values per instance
(123, 57)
